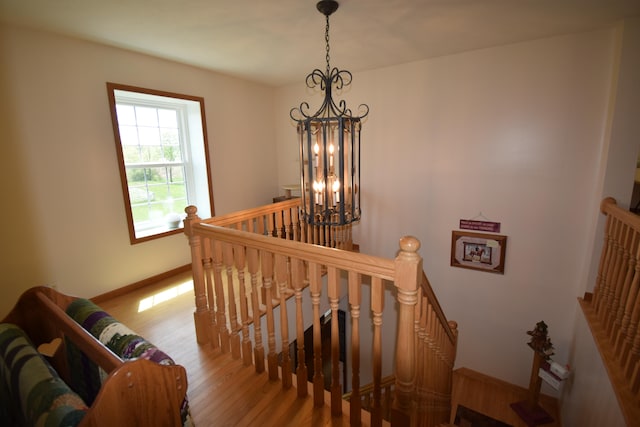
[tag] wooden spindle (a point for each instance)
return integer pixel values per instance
(239, 258)
(297, 274)
(282, 276)
(618, 271)
(600, 290)
(624, 339)
(221, 316)
(355, 298)
(333, 281)
(377, 306)
(620, 299)
(214, 333)
(266, 267)
(234, 336)
(633, 331)
(607, 288)
(254, 267)
(315, 285)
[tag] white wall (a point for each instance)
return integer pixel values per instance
(61, 196)
(513, 132)
(588, 399)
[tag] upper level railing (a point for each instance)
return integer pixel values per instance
(242, 274)
(613, 310)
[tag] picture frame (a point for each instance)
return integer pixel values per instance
(478, 251)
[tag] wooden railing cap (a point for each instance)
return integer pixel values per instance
(606, 202)
(409, 244)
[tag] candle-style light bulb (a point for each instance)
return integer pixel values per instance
(331, 149)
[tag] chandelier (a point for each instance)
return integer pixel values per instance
(329, 141)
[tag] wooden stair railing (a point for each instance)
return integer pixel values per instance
(613, 309)
(300, 282)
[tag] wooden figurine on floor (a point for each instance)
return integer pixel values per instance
(529, 410)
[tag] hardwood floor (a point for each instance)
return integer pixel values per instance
(168, 323)
(492, 397)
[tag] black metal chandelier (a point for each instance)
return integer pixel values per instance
(329, 143)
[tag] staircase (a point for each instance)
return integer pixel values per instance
(265, 261)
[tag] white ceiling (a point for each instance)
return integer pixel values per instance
(281, 41)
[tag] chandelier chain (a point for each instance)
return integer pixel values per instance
(326, 39)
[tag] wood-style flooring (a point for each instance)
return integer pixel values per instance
(492, 397)
(223, 392)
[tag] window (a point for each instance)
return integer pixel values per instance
(161, 143)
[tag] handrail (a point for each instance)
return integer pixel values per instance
(613, 310)
(355, 261)
(248, 214)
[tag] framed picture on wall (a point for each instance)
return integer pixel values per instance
(478, 251)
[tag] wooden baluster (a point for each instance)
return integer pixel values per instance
(239, 258)
(318, 377)
(624, 338)
(441, 369)
(355, 298)
(260, 226)
(600, 290)
(254, 266)
(635, 382)
(617, 277)
(221, 315)
(271, 228)
(377, 305)
(408, 269)
(201, 315)
(214, 332)
(610, 267)
(279, 225)
(432, 368)
(234, 339)
(288, 227)
(633, 331)
(266, 263)
(634, 356)
(297, 274)
(295, 224)
(615, 322)
(282, 276)
(421, 356)
(333, 278)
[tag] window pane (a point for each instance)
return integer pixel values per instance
(146, 116)
(131, 154)
(126, 115)
(172, 153)
(129, 135)
(149, 136)
(168, 118)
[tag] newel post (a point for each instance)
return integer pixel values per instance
(408, 270)
(201, 314)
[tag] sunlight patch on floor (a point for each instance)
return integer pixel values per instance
(165, 295)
